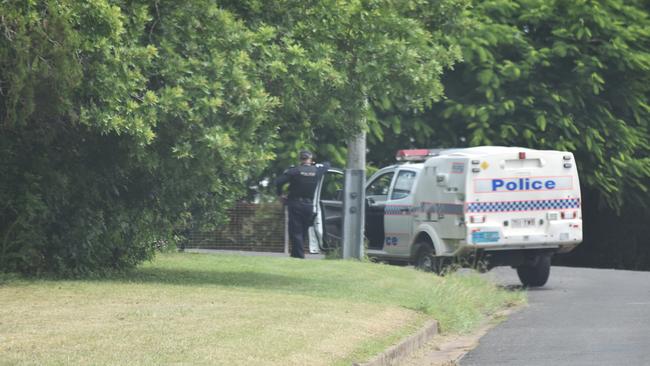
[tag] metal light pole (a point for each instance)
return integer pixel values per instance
(354, 195)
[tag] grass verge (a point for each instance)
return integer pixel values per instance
(235, 310)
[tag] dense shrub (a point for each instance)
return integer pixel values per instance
(117, 124)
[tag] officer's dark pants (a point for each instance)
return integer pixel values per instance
(300, 219)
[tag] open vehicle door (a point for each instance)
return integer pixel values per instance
(377, 191)
(328, 224)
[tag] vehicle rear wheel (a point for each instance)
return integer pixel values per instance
(537, 274)
(427, 261)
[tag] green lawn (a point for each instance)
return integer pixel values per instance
(234, 310)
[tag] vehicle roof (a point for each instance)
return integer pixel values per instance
(487, 150)
(409, 164)
(469, 152)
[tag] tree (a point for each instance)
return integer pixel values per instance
(327, 56)
(125, 120)
(59, 176)
(562, 75)
(117, 122)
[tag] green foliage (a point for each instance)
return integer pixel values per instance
(559, 75)
(549, 75)
(325, 58)
(119, 124)
(123, 121)
(60, 173)
(554, 75)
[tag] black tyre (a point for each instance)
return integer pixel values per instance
(535, 275)
(426, 260)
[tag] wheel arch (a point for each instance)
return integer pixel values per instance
(426, 235)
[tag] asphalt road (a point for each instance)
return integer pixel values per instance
(581, 317)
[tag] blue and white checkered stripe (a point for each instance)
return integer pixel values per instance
(537, 205)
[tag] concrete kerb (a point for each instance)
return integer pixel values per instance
(397, 353)
(444, 350)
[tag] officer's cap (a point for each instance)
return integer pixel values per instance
(304, 155)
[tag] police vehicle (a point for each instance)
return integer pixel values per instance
(507, 206)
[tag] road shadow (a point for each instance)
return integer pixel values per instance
(539, 289)
(519, 287)
(512, 287)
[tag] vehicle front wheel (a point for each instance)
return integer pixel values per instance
(427, 261)
(535, 275)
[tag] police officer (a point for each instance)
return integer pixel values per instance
(302, 181)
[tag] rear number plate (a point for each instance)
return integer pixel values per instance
(485, 237)
(519, 223)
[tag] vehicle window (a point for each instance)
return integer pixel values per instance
(332, 187)
(403, 184)
(380, 186)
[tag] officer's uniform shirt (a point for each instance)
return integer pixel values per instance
(302, 180)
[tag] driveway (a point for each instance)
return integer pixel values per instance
(581, 317)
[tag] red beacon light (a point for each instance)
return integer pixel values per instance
(414, 154)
